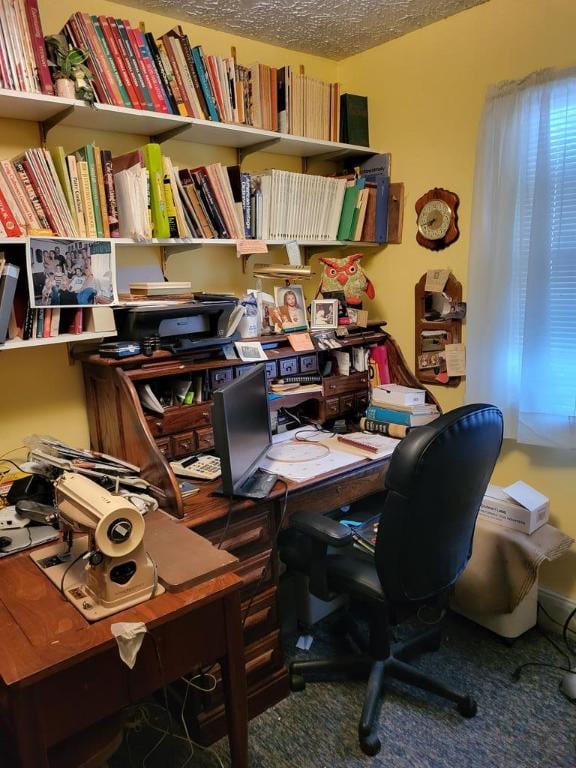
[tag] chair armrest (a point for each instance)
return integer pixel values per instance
(322, 529)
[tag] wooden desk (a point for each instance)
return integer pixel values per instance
(60, 675)
(249, 531)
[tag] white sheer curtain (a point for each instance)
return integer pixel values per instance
(521, 348)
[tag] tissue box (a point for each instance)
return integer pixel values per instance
(517, 506)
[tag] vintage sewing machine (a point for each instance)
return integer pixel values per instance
(101, 565)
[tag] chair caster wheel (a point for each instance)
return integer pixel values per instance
(468, 707)
(297, 682)
(370, 745)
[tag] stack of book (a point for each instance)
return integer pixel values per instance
(131, 68)
(23, 61)
(395, 410)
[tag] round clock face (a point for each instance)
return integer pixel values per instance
(434, 219)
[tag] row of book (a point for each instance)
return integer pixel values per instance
(141, 194)
(132, 68)
(395, 409)
(23, 60)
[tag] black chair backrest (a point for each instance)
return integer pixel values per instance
(434, 487)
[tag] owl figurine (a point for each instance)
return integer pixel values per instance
(346, 275)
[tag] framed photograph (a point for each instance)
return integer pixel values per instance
(343, 308)
(324, 313)
(291, 307)
(250, 351)
(71, 273)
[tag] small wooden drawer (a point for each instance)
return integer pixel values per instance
(308, 363)
(262, 616)
(220, 376)
(185, 444)
(164, 447)
(240, 370)
(362, 400)
(271, 370)
(205, 439)
(288, 366)
(180, 418)
(262, 658)
(332, 406)
(242, 539)
(256, 573)
(338, 385)
(347, 403)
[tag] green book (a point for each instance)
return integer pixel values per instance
(153, 161)
(87, 154)
(111, 62)
(354, 120)
(347, 214)
(59, 160)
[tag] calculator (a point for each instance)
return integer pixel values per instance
(199, 467)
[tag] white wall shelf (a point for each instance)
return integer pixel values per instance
(195, 242)
(53, 110)
(62, 338)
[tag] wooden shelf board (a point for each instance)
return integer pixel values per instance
(63, 338)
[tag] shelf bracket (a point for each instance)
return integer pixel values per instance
(159, 138)
(167, 250)
(333, 155)
(51, 122)
(243, 152)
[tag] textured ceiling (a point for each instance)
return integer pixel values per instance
(331, 28)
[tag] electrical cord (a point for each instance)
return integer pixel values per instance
(565, 629)
(263, 574)
(555, 621)
(518, 671)
(68, 567)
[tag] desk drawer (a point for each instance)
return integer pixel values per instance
(180, 418)
(220, 376)
(257, 574)
(184, 444)
(262, 659)
(262, 617)
(205, 438)
(241, 539)
(337, 385)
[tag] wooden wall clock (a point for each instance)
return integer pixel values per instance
(437, 219)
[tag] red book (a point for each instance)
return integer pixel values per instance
(7, 218)
(39, 191)
(97, 55)
(212, 69)
(75, 33)
(139, 53)
(76, 324)
(153, 78)
(47, 322)
(37, 38)
(120, 61)
(128, 62)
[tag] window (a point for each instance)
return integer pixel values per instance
(522, 270)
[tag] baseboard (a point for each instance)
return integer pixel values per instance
(559, 608)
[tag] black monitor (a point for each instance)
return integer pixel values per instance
(241, 423)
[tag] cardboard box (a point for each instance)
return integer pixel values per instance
(517, 506)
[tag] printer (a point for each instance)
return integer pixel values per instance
(196, 324)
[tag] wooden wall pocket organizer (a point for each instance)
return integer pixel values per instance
(431, 336)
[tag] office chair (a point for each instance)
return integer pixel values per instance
(432, 493)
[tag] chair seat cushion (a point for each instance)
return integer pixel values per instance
(354, 574)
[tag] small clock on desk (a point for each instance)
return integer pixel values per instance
(437, 219)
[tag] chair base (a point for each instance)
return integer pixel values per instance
(377, 670)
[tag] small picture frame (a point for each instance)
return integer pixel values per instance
(324, 313)
(292, 308)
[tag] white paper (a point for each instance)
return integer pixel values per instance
(436, 280)
(455, 355)
(307, 470)
(525, 495)
(293, 251)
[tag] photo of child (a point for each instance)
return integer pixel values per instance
(325, 313)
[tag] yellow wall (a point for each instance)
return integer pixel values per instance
(425, 93)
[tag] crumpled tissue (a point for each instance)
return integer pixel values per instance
(129, 636)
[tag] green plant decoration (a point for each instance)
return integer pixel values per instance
(68, 63)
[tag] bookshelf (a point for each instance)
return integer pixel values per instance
(63, 338)
(50, 111)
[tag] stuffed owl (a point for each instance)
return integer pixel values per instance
(346, 275)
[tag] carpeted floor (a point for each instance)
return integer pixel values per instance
(524, 724)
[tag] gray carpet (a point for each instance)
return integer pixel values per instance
(527, 724)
